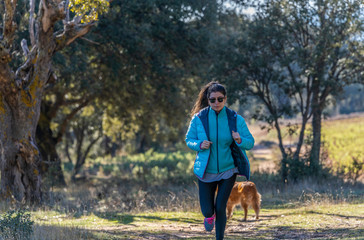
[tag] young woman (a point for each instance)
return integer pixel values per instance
(220, 136)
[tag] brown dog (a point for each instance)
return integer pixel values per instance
(245, 194)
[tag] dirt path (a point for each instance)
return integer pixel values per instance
(268, 227)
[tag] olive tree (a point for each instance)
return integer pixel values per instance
(294, 57)
(23, 80)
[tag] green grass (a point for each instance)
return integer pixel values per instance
(315, 221)
(344, 140)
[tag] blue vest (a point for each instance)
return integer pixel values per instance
(240, 161)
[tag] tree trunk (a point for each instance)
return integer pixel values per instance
(80, 159)
(79, 163)
(301, 137)
(20, 156)
(20, 109)
(284, 170)
(142, 144)
(316, 129)
(47, 146)
(81, 156)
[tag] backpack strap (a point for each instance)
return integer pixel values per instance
(232, 119)
(240, 161)
(204, 117)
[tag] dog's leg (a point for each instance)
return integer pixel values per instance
(229, 212)
(245, 207)
(256, 208)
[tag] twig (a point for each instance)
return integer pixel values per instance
(31, 22)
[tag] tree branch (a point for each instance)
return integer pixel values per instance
(67, 9)
(6, 75)
(62, 128)
(71, 33)
(9, 24)
(52, 12)
(90, 41)
(23, 73)
(74, 101)
(31, 21)
(88, 149)
(67, 151)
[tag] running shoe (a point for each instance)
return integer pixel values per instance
(209, 223)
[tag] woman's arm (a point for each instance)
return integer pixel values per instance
(192, 140)
(247, 140)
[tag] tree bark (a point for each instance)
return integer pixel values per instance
(20, 156)
(47, 145)
(316, 129)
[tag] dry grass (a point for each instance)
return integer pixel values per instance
(60, 232)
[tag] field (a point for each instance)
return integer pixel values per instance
(154, 196)
(308, 221)
(312, 221)
(344, 141)
(342, 138)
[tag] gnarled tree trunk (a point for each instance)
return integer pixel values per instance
(47, 146)
(21, 93)
(20, 158)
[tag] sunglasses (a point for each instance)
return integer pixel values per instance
(219, 99)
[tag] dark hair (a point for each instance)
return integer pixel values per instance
(202, 99)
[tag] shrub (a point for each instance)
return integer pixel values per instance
(149, 168)
(16, 224)
(156, 168)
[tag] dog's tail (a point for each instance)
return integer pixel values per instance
(256, 200)
(257, 196)
(251, 186)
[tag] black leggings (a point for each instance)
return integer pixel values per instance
(208, 205)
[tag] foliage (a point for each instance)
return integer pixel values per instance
(83, 133)
(89, 10)
(351, 100)
(294, 56)
(149, 168)
(137, 65)
(155, 52)
(16, 225)
(144, 62)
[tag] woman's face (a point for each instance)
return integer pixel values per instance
(217, 101)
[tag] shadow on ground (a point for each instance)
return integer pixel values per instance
(129, 226)
(239, 231)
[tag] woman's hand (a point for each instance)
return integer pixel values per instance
(205, 144)
(236, 137)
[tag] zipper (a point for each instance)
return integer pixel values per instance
(217, 143)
